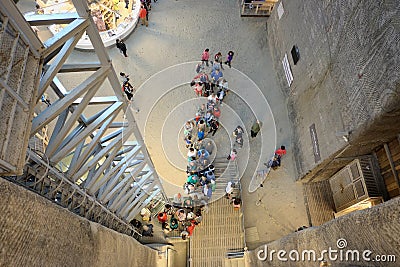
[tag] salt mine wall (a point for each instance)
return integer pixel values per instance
(36, 232)
(376, 229)
(345, 95)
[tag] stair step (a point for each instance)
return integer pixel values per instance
(221, 231)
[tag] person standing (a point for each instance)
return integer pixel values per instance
(45, 99)
(281, 151)
(198, 89)
(209, 147)
(216, 75)
(143, 15)
(255, 128)
(118, 45)
(124, 76)
(122, 47)
(205, 56)
(162, 217)
(128, 90)
(148, 4)
(229, 58)
(218, 59)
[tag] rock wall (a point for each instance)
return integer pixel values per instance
(347, 78)
(36, 232)
(376, 229)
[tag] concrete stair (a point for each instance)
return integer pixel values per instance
(220, 232)
(225, 171)
(235, 262)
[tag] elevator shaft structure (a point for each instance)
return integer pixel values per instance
(67, 131)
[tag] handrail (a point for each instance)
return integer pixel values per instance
(242, 211)
(33, 155)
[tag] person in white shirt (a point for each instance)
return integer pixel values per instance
(229, 189)
(192, 153)
(212, 98)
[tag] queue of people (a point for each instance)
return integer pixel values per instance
(185, 213)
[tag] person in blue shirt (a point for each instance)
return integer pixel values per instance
(200, 135)
(203, 154)
(210, 176)
(215, 76)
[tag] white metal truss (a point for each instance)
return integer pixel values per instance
(95, 162)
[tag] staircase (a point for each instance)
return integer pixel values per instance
(221, 230)
(225, 171)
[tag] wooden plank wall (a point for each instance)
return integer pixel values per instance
(389, 163)
(319, 201)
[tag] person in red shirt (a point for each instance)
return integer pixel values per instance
(142, 16)
(190, 228)
(205, 56)
(162, 217)
(281, 151)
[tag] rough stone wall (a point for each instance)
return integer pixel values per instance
(347, 79)
(36, 232)
(376, 229)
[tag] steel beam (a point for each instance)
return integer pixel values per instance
(74, 133)
(101, 181)
(110, 136)
(81, 67)
(62, 133)
(125, 150)
(59, 106)
(100, 171)
(109, 192)
(98, 100)
(95, 160)
(107, 196)
(49, 19)
(76, 156)
(60, 122)
(122, 198)
(131, 213)
(84, 12)
(112, 184)
(130, 204)
(75, 28)
(75, 188)
(119, 124)
(89, 150)
(102, 153)
(86, 132)
(56, 65)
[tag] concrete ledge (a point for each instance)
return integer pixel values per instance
(375, 229)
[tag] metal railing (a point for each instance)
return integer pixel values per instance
(42, 178)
